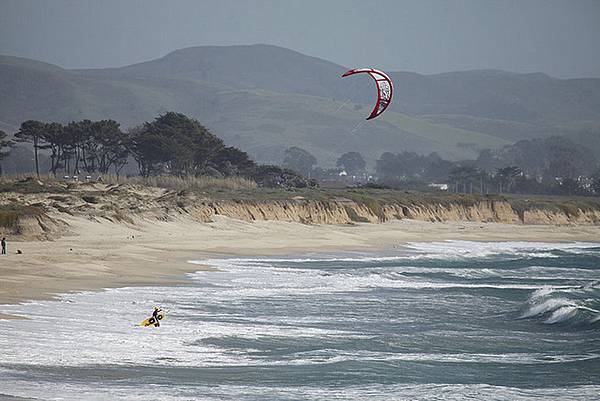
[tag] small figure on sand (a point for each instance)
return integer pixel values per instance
(3, 246)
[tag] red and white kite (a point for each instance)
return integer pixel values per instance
(385, 88)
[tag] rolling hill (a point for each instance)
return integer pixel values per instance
(266, 98)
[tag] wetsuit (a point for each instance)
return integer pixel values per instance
(155, 316)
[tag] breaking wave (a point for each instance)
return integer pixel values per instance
(576, 306)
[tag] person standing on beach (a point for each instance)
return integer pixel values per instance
(3, 246)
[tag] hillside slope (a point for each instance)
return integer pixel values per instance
(266, 98)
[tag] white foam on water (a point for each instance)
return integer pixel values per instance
(239, 280)
(99, 328)
(371, 392)
(542, 292)
(561, 305)
(81, 330)
(548, 305)
(448, 249)
(452, 249)
(561, 314)
(324, 356)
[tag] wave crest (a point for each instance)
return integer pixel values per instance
(573, 306)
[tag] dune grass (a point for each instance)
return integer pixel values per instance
(193, 184)
(11, 213)
(28, 184)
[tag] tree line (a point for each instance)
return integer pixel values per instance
(174, 144)
(553, 165)
(89, 146)
(171, 144)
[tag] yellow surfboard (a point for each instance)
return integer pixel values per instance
(151, 321)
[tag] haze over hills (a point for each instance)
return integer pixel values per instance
(264, 99)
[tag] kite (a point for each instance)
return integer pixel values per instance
(385, 88)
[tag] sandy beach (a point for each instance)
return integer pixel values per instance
(96, 255)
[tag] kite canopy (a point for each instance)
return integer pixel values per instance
(385, 88)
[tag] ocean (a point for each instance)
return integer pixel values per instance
(428, 321)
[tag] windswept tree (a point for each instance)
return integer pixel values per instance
(76, 135)
(148, 150)
(174, 143)
(231, 161)
(32, 131)
(352, 162)
(299, 160)
(55, 141)
(5, 145)
(106, 146)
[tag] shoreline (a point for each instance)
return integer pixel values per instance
(96, 255)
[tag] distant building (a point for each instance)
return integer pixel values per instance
(441, 187)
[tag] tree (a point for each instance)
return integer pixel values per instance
(54, 137)
(277, 177)
(76, 135)
(570, 187)
(506, 176)
(106, 146)
(437, 169)
(175, 144)
(409, 165)
(299, 160)
(387, 167)
(551, 157)
(352, 162)
(463, 175)
(148, 150)
(32, 131)
(5, 145)
(231, 161)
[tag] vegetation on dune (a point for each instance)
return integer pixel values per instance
(123, 198)
(570, 206)
(11, 213)
(194, 184)
(30, 185)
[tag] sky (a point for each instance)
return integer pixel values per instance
(560, 38)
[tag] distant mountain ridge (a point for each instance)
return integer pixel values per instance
(265, 98)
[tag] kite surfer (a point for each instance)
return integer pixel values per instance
(155, 318)
(155, 313)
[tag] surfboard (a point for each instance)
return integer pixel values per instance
(151, 321)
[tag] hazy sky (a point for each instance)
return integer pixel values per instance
(561, 38)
